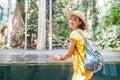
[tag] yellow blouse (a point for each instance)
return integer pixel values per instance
(76, 59)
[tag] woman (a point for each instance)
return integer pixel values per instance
(76, 22)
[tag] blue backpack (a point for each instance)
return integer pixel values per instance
(94, 60)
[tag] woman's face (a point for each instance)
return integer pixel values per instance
(74, 22)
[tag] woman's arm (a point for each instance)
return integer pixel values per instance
(69, 53)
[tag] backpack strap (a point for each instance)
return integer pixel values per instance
(76, 46)
(80, 33)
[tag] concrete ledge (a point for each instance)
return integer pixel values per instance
(37, 56)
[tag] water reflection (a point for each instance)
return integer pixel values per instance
(53, 72)
(110, 70)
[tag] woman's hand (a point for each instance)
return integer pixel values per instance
(55, 56)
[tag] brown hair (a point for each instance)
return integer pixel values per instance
(82, 25)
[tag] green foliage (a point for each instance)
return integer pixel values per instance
(109, 42)
(115, 49)
(3, 46)
(21, 1)
(60, 23)
(112, 17)
(32, 14)
(59, 20)
(60, 27)
(18, 38)
(79, 7)
(104, 40)
(3, 24)
(115, 12)
(118, 30)
(32, 29)
(32, 18)
(63, 35)
(19, 32)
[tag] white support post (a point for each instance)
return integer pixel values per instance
(41, 39)
(50, 30)
(9, 23)
(26, 22)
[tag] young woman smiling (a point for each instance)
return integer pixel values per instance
(77, 21)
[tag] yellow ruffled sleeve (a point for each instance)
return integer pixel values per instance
(75, 35)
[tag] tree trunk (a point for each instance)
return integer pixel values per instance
(41, 44)
(17, 17)
(17, 25)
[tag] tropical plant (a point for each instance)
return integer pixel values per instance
(113, 14)
(111, 42)
(110, 22)
(4, 46)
